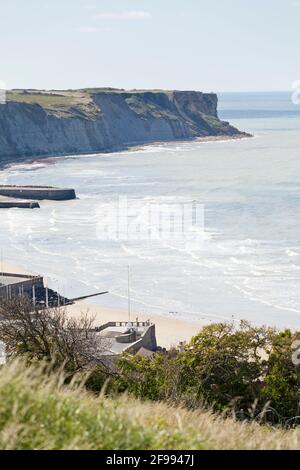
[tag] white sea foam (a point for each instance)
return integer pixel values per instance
(245, 264)
(292, 253)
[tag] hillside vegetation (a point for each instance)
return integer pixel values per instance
(38, 412)
(231, 387)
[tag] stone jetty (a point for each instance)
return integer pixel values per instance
(37, 193)
(11, 203)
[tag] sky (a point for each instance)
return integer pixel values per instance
(207, 45)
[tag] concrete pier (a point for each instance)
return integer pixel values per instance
(11, 203)
(38, 192)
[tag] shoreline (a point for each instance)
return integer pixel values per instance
(169, 332)
(50, 158)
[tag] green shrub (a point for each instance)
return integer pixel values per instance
(246, 370)
(282, 380)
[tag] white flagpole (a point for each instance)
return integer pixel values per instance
(129, 299)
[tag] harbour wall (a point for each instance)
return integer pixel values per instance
(38, 193)
(19, 204)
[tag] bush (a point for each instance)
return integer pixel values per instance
(282, 380)
(154, 378)
(246, 371)
(224, 366)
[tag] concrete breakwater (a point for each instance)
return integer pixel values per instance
(11, 203)
(38, 193)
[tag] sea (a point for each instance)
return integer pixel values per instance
(238, 255)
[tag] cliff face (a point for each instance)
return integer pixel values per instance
(36, 123)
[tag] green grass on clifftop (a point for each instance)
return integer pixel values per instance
(59, 103)
(38, 412)
(43, 99)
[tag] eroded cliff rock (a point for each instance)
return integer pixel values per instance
(41, 123)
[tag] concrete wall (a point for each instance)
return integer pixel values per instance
(147, 341)
(53, 194)
(123, 324)
(23, 287)
(19, 204)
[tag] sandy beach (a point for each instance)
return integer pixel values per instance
(8, 267)
(169, 331)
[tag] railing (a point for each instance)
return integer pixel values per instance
(124, 324)
(21, 276)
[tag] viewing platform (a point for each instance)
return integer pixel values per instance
(37, 193)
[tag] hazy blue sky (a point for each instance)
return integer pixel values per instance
(210, 45)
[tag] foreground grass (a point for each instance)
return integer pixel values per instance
(38, 412)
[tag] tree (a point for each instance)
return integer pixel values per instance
(282, 381)
(222, 367)
(51, 335)
(226, 365)
(153, 378)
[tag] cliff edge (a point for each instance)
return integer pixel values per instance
(42, 123)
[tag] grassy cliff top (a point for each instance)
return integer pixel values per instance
(60, 103)
(65, 103)
(47, 98)
(65, 97)
(37, 412)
